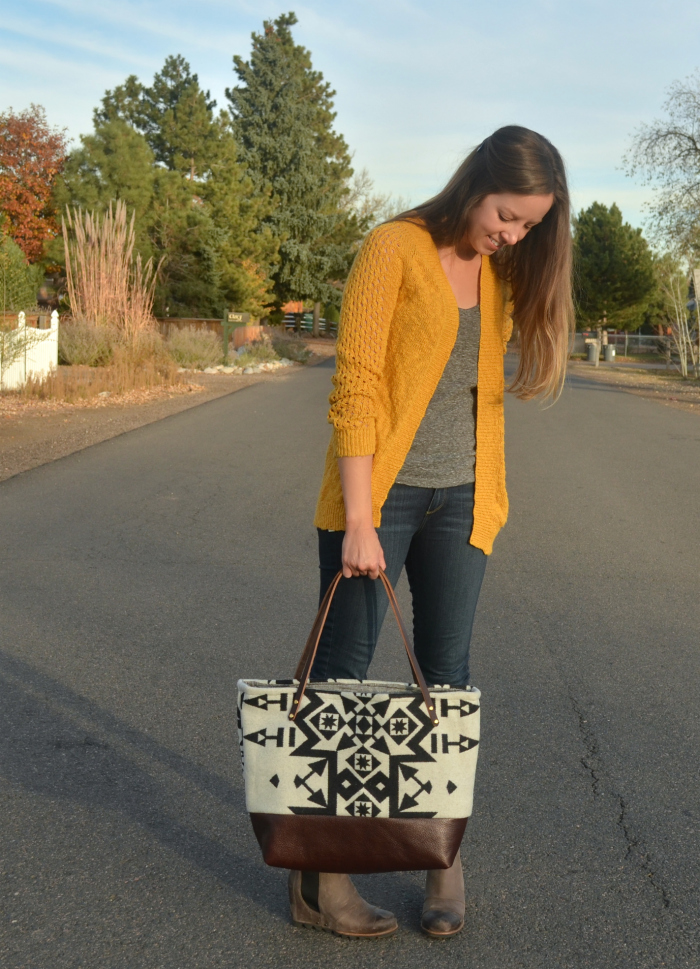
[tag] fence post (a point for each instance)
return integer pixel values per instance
(21, 326)
(53, 366)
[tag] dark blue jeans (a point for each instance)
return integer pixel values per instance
(426, 530)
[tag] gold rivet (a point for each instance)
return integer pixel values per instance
(431, 708)
(296, 701)
(436, 721)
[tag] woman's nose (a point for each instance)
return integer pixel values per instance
(510, 237)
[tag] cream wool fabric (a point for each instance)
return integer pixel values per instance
(360, 749)
(398, 325)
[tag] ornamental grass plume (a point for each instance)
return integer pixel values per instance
(107, 286)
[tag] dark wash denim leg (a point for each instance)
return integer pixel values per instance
(426, 530)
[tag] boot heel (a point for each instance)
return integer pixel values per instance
(443, 909)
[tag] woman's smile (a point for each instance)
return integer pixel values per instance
(503, 219)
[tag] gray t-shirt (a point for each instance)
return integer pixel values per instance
(443, 451)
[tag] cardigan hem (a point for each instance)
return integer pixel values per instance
(333, 519)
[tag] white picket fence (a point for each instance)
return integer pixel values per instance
(38, 356)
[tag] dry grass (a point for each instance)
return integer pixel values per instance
(13, 405)
(123, 375)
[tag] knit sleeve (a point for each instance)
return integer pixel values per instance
(368, 306)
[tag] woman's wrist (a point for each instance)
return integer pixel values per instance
(356, 523)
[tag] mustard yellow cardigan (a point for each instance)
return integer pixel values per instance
(398, 325)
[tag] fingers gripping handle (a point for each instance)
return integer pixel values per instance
(303, 670)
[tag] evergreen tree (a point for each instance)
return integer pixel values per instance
(115, 162)
(614, 269)
(163, 151)
(247, 248)
(174, 114)
(19, 282)
(283, 120)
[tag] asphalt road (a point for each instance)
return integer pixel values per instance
(142, 576)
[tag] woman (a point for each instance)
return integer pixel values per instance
(415, 473)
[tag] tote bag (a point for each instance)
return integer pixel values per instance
(357, 776)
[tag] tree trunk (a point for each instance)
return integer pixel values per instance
(316, 330)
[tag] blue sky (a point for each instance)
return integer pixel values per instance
(418, 82)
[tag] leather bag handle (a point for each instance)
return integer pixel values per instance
(308, 655)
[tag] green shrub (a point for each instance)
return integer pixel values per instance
(331, 313)
(19, 282)
(84, 345)
(195, 348)
(261, 351)
(291, 347)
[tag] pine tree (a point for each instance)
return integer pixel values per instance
(247, 248)
(174, 114)
(163, 151)
(614, 268)
(283, 121)
(115, 162)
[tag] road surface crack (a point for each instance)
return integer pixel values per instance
(637, 849)
(592, 764)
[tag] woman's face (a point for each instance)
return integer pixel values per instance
(504, 219)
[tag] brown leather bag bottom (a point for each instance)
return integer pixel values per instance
(357, 846)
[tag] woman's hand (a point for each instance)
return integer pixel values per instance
(362, 551)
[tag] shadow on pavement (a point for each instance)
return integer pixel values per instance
(49, 754)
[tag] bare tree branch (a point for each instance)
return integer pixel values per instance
(666, 155)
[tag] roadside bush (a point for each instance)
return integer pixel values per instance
(261, 351)
(293, 348)
(83, 345)
(144, 348)
(194, 348)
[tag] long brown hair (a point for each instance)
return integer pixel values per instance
(537, 270)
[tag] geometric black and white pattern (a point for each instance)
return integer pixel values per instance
(364, 749)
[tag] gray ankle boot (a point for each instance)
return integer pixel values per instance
(332, 903)
(443, 909)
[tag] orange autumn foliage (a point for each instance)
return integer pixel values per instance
(31, 156)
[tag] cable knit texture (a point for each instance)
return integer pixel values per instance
(398, 325)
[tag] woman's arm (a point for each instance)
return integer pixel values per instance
(369, 302)
(362, 551)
